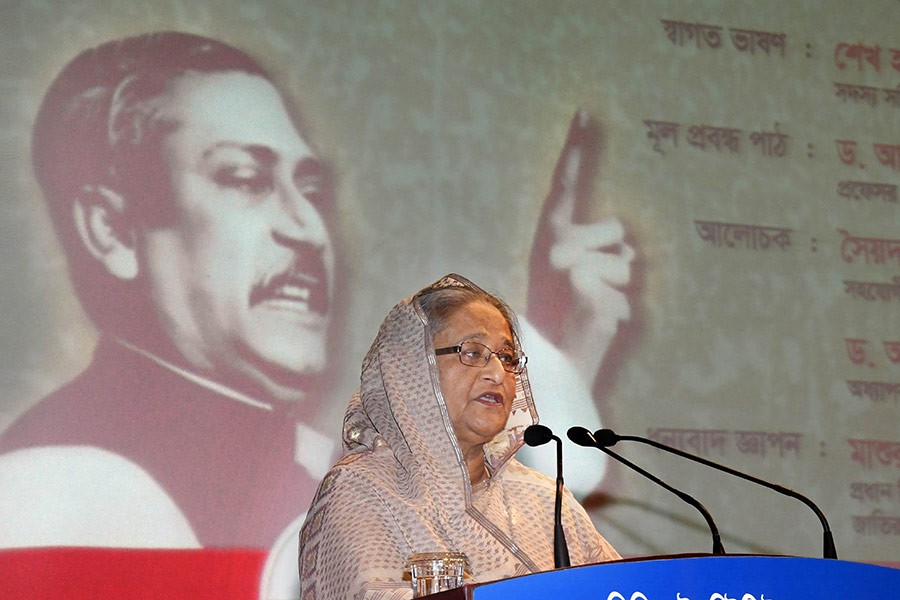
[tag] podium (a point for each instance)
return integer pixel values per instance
(696, 577)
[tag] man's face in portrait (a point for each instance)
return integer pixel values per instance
(242, 276)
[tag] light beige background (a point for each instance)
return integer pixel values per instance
(444, 120)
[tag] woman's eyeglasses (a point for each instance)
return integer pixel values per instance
(474, 354)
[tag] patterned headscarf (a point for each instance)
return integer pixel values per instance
(404, 488)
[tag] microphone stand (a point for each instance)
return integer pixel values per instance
(538, 435)
(583, 437)
(829, 550)
(560, 547)
(717, 547)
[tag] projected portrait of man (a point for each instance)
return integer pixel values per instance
(195, 217)
(192, 211)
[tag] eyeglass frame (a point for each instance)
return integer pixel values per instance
(518, 368)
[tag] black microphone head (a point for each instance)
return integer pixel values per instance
(606, 437)
(538, 435)
(581, 436)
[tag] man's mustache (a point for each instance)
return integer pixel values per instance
(307, 271)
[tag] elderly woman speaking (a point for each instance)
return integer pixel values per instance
(442, 406)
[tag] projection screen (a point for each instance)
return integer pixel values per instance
(724, 278)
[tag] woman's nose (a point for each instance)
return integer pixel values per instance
(494, 370)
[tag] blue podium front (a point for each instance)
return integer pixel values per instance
(700, 578)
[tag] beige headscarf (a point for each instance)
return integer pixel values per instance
(403, 486)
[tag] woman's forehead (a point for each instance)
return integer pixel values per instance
(479, 321)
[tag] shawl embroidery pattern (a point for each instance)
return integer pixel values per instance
(403, 487)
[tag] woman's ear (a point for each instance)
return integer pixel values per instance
(106, 231)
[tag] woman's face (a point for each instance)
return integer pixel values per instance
(478, 398)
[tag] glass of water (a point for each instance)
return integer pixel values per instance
(433, 572)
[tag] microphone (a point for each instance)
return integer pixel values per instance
(538, 435)
(583, 437)
(607, 437)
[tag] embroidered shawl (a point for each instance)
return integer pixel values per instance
(402, 487)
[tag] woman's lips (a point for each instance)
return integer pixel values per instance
(491, 398)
